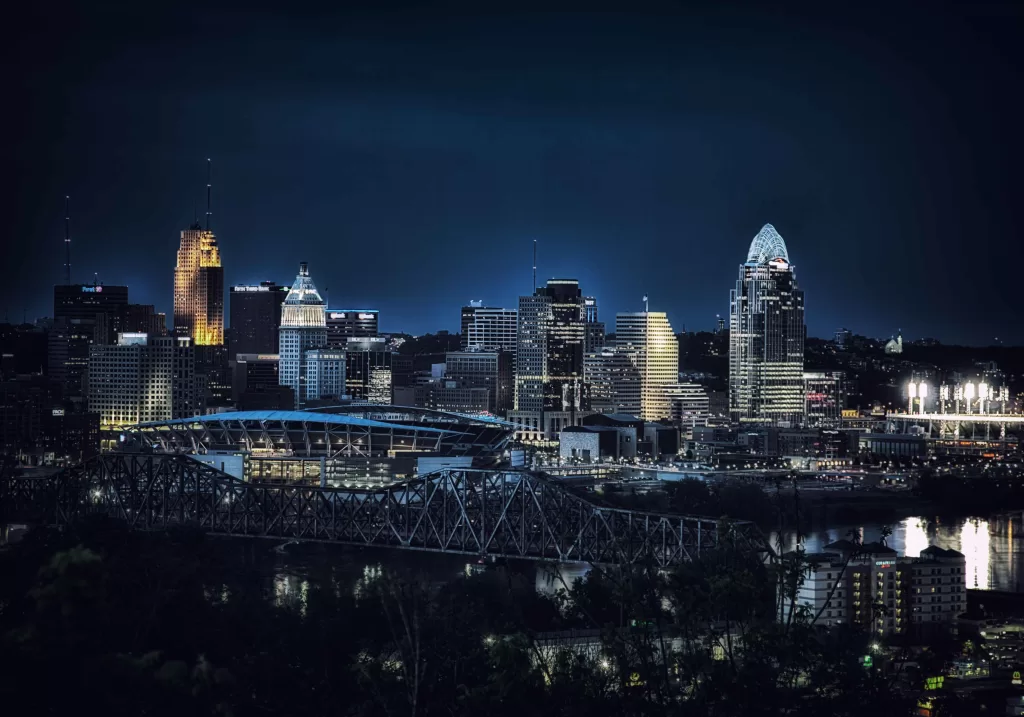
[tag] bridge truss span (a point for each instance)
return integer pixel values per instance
(510, 514)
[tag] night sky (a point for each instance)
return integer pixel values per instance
(412, 156)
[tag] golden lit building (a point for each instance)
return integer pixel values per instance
(199, 288)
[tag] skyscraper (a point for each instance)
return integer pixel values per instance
(303, 327)
(345, 324)
(255, 317)
(487, 328)
(368, 377)
(550, 393)
(651, 335)
(766, 336)
(84, 315)
(199, 288)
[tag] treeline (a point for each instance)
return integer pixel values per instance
(108, 622)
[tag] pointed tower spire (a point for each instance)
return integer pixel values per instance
(208, 186)
(67, 240)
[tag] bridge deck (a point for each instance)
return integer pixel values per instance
(512, 514)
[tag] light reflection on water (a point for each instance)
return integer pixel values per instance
(989, 546)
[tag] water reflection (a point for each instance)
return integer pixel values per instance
(989, 546)
(975, 545)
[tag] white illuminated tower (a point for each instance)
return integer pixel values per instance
(766, 336)
(303, 327)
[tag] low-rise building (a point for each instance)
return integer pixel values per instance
(870, 585)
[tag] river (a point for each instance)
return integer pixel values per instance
(992, 546)
(995, 557)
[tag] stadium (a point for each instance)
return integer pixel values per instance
(351, 446)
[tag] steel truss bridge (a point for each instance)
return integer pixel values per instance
(510, 514)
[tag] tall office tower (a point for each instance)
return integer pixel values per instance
(144, 319)
(303, 327)
(766, 336)
(345, 324)
(842, 338)
(142, 378)
(368, 377)
(613, 374)
(650, 333)
(824, 398)
(83, 315)
(550, 393)
(199, 288)
(255, 312)
(487, 328)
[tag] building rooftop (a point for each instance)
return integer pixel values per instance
(767, 246)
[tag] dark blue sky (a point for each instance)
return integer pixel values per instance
(412, 155)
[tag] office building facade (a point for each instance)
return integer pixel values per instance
(473, 371)
(486, 328)
(83, 315)
(689, 404)
(549, 388)
(142, 378)
(346, 324)
(368, 377)
(766, 336)
(303, 328)
(824, 398)
(199, 288)
(144, 319)
(613, 376)
(255, 311)
(325, 369)
(651, 335)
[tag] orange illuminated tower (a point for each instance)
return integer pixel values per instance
(199, 283)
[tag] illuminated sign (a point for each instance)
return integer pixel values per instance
(934, 683)
(1016, 678)
(92, 289)
(336, 315)
(58, 412)
(365, 316)
(250, 288)
(884, 563)
(268, 357)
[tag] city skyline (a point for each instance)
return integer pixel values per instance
(431, 149)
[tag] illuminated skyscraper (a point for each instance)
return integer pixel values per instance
(199, 288)
(766, 336)
(303, 327)
(549, 388)
(651, 335)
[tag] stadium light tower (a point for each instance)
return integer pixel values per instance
(911, 394)
(922, 393)
(969, 396)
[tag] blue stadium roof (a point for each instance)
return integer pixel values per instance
(298, 416)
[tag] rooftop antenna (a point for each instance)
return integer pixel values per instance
(208, 212)
(647, 305)
(534, 266)
(327, 295)
(67, 241)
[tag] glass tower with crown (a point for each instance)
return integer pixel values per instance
(766, 336)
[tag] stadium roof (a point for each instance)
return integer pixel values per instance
(297, 416)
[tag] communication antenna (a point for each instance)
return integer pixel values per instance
(67, 240)
(208, 185)
(647, 305)
(534, 266)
